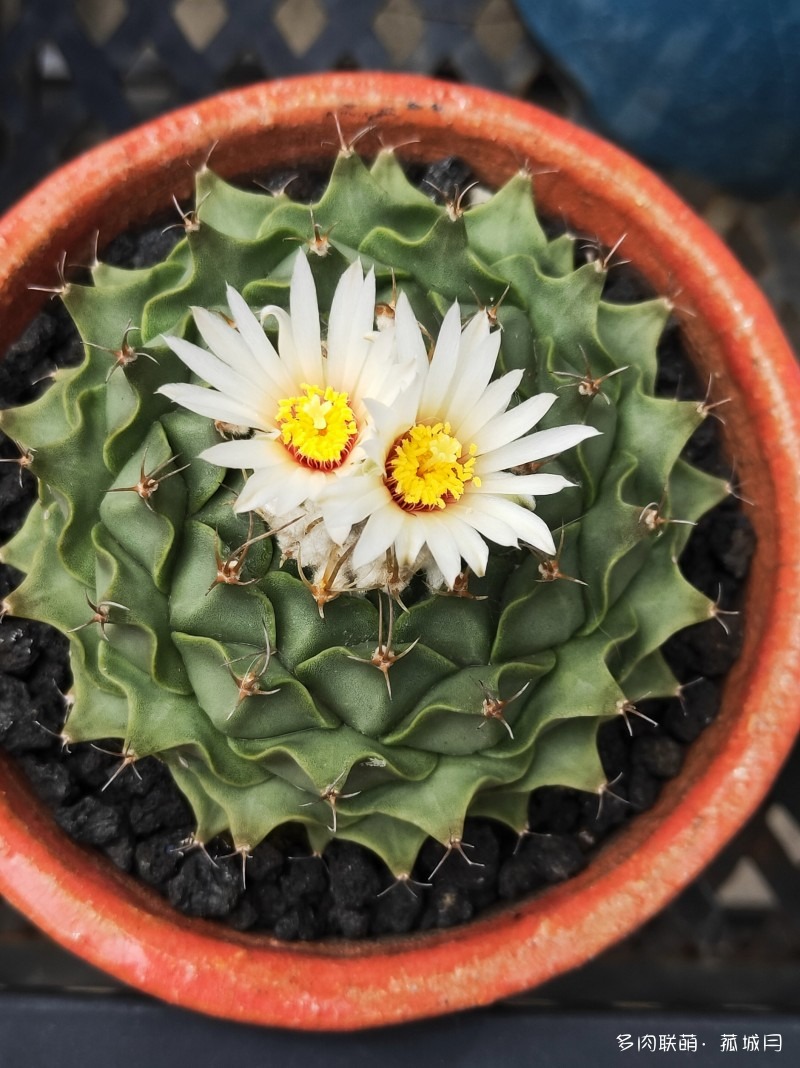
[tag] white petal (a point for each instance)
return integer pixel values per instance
(259, 344)
(348, 501)
(476, 367)
(442, 366)
(538, 485)
(390, 422)
(536, 446)
(513, 423)
(213, 370)
(496, 530)
(351, 322)
(344, 301)
(443, 548)
(527, 526)
(258, 452)
(286, 346)
(380, 377)
(494, 400)
(280, 491)
(259, 488)
(409, 541)
(378, 534)
(304, 311)
(471, 545)
(227, 345)
(537, 533)
(374, 448)
(410, 344)
(214, 405)
(475, 335)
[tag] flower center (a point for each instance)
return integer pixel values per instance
(427, 468)
(318, 428)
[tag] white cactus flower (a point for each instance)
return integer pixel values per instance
(306, 402)
(438, 479)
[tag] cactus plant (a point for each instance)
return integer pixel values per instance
(290, 651)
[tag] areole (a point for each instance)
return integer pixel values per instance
(117, 923)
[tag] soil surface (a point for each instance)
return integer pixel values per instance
(137, 817)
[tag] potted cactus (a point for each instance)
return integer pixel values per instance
(365, 517)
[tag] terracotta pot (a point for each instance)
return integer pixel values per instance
(121, 926)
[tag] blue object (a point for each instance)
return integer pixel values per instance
(709, 86)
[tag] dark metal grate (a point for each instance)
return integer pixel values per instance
(73, 73)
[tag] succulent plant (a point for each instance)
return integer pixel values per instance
(287, 662)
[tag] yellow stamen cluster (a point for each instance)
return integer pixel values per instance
(318, 427)
(427, 467)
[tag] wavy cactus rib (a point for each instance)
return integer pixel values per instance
(217, 661)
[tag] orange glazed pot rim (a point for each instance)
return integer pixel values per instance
(121, 926)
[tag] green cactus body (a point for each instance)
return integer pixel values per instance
(272, 703)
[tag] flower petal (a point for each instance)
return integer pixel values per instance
(442, 367)
(410, 344)
(286, 345)
(351, 321)
(513, 423)
(254, 453)
(490, 526)
(475, 335)
(470, 544)
(536, 446)
(350, 500)
(476, 366)
(443, 547)
(259, 344)
(526, 525)
(390, 422)
(378, 534)
(213, 370)
(410, 540)
(214, 405)
(304, 311)
(539, 485)
(228, 345)
(380, 375)
(492, 402)
(280, 494)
